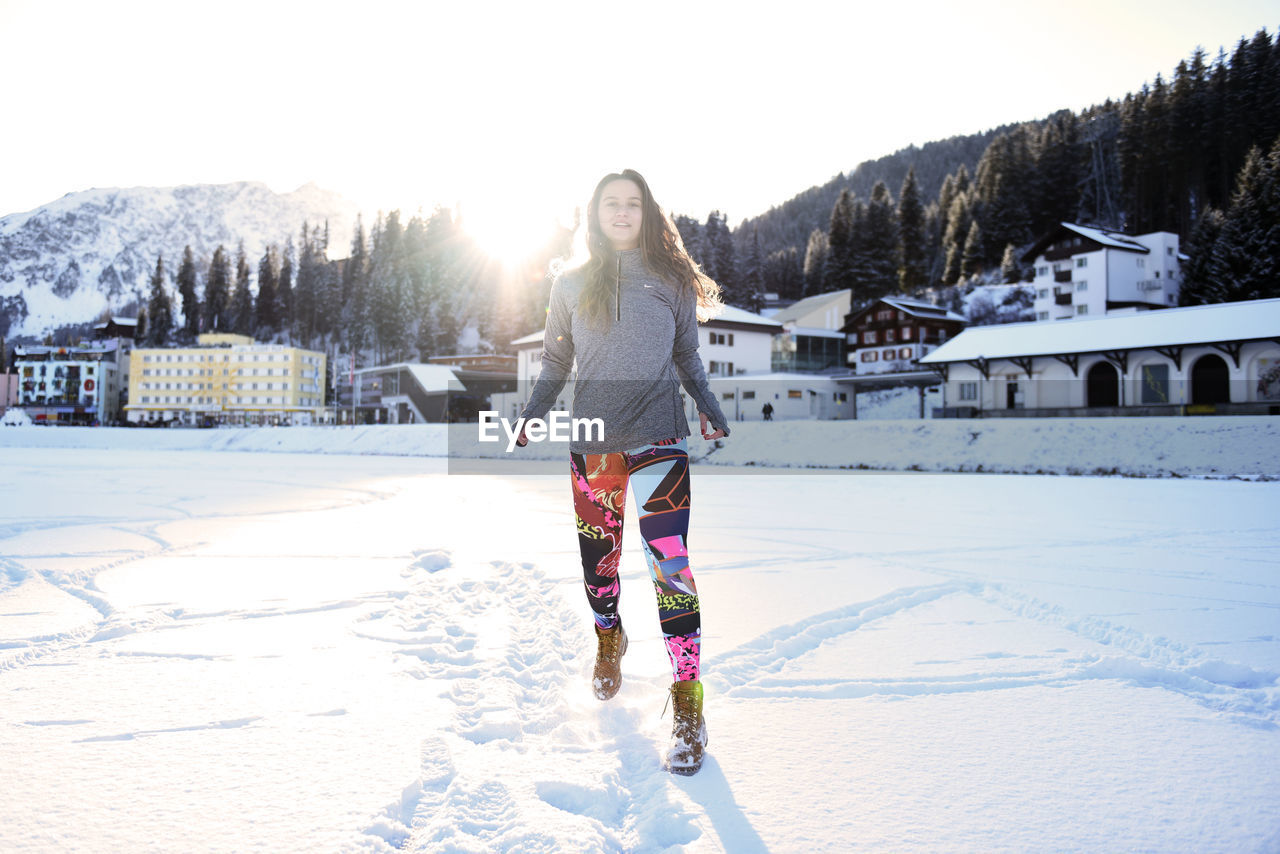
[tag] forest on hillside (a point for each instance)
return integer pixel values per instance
(1193, 154)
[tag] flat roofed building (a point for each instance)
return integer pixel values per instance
(227, 379)
(69, 385)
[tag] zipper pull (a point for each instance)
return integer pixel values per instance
(617, 300)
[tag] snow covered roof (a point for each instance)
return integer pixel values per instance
(436, 377)
(920, 308)
(531, 338)
(808, 304)
(118, 321)
(815, 331)
(774, 376)
(432, 378)
(1201, 324)
(731, 314)
(1110, 239)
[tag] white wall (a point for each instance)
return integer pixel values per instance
(750, 353)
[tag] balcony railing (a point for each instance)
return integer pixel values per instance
(1062, 275)
(1062, 297)
(1151, 285)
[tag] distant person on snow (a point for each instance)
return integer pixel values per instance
(629, 313)
(768, 411)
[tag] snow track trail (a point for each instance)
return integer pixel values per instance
(530, 761)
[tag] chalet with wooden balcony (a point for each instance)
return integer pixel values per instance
(1082, 271)
(893, 333)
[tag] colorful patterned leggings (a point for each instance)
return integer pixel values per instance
(660, 475)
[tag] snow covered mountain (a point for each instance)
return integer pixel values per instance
(67, 261)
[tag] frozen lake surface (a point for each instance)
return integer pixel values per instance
(217, 651)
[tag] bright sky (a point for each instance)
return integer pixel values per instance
(515, 109)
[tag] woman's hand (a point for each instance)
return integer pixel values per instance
(704, 425)
(522, 439)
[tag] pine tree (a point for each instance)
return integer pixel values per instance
(284, 288)
(217, 291)
(971, 262)
(816, 252)
(1246, 255)
(242, 299)
(751, 282)
(959, 222)
(187, 291)
(876, 247)
(1010, 268)
(838, 273)
(160, 308)
(268, 292)
(1200, 282)
(912, 275)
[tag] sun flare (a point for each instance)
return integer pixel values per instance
(508, 236)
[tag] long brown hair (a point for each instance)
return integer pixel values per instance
(661, 250)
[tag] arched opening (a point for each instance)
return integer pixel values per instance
(1209, 380)
(1102, 385)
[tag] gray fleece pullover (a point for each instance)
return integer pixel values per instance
(628, 375)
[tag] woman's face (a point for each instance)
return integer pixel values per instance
(619, 213)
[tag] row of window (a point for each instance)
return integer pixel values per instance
(888, 355)
(893, 335)
(280, 401)
(202, 372)
(226, 357)
(722, 338)
(202, 386)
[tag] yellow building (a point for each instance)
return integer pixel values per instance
(226, 379)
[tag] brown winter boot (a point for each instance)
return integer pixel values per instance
(611, 646)
(688, 729)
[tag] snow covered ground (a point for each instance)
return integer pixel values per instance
(1223, 446)
(216, 650)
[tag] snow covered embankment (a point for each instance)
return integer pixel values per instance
(1243, 446)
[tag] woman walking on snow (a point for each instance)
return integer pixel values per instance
(629, 316)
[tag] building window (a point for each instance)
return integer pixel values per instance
(794, 394)
(889, 354)
(1042, 315)
(1157, 274)
(906, 333)
(1168, 250)
(1043, 293)
(870, 356)
(904, 352)
(1082, 262)
(1042, 271)
(728, 395)
(748, 395)
(1142, 262)
(968, 391)
(1155, 383)
(890, 336)
(1082, 309)
(869, 338)
(1082, 285)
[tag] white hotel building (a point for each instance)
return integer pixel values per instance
(1081, 271)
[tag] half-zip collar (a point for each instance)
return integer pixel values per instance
(633, 257)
